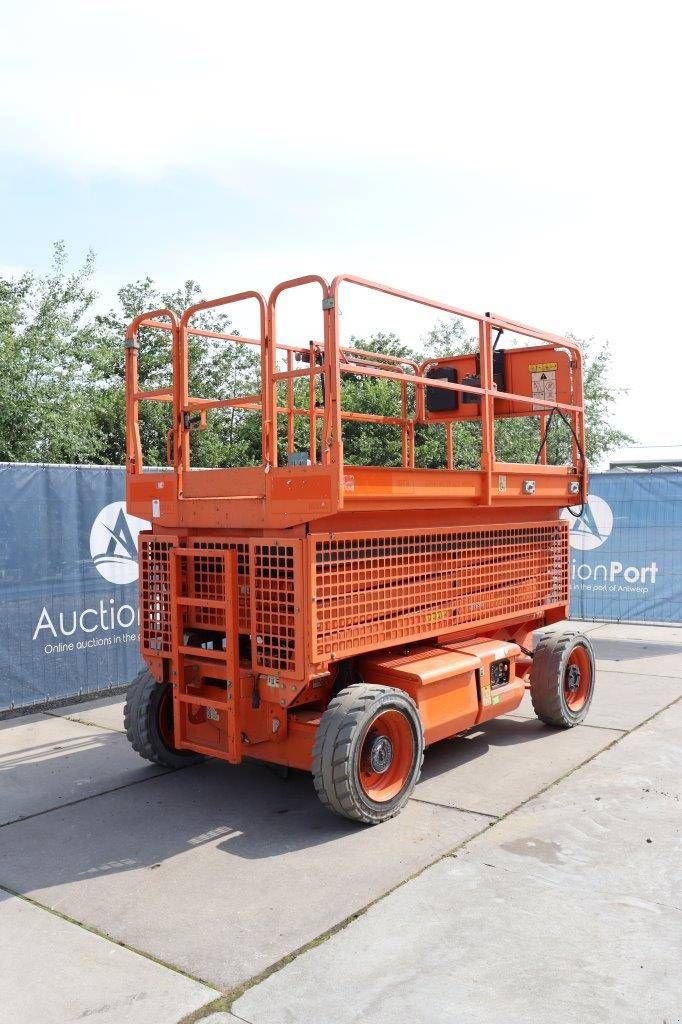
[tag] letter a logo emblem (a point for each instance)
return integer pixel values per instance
(593, 527)
(113, 543)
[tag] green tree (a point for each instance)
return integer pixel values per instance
(62, 376)
(374, 444)
(517, 439)
(218, 369)
(600, 399)
(45, 336)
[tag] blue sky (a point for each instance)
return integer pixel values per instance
(521, 158)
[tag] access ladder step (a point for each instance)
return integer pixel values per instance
(200, 602)
(204, 702)
(201, 652)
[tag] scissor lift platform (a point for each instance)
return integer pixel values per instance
(285, 605)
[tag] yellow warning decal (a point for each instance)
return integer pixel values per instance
(541, 367)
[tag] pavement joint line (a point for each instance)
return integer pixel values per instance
(93, 796)
(451, 807)
(215, 1006)
(105, 935)
(592, 757)
(604, 728)
(82, 721)
(238, 991)
(235, 993)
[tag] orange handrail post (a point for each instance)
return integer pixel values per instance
(296, 282)
(134, 396)
(487, 420)
(183, 426)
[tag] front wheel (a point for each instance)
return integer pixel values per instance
(368, 753)
(562, 678)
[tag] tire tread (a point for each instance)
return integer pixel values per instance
(136, 721)
(331, 760)
(546, 687)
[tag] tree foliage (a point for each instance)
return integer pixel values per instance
(62, 396)
(517, 439)
(217, 370)
(45, 411)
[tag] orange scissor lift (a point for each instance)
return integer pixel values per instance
(340, 618)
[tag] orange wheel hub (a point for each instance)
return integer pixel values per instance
(387, 756)
(577, 679)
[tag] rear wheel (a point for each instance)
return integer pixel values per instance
(562, 678)
(368, 753)
(148, 720)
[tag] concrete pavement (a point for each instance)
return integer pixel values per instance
(567, 911)
(54, 971)
(224, 873)
(49, 761)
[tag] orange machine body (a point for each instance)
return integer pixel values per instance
(263, 588)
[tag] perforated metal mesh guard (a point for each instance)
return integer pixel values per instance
(376, 589)
(155, 605)
(276, 604)
(370, 590)
(269, 585)
(208, 582)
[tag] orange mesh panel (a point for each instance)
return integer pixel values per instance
(378, 589)
(276, 581)
(208, 582)
(155, 619)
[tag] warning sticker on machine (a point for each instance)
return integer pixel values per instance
(543, 382)
(540, 367)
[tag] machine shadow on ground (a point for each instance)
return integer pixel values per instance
(450, 754)
(248, 811)
(39, 774)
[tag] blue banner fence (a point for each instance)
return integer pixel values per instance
(68, 583)
(626, 549)
(68, 572)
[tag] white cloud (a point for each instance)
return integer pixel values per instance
(144, 87)
(568, 112)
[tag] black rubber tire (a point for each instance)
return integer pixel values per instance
(338, 743)
(141, 721)
(550, 663)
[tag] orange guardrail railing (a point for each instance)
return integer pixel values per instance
(324, 365)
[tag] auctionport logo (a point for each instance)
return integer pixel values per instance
(113, 543)
(593, 527)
